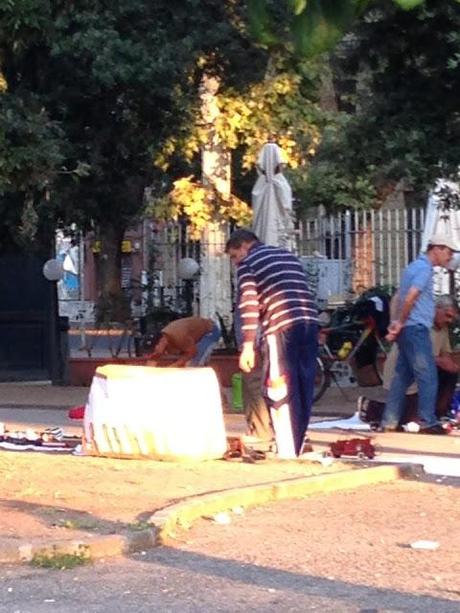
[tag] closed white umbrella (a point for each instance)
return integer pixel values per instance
(272, 200)
(438, 220)
(444, 221)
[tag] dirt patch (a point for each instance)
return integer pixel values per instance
(56, 496)
(361, 537)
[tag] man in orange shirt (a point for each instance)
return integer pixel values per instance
(192, 339)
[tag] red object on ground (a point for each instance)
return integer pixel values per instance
(360, 447)
(77, 412)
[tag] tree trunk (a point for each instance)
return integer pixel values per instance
(112, 305)
(215, 280)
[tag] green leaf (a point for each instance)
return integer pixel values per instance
(297, 6)
(260, 23)
(322, 24)
(408, 5)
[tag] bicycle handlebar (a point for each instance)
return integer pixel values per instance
(368, 323)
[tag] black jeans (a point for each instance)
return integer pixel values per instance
(446, 388)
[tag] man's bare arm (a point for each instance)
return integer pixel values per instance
(404, 312)
(186, 355)
(446, 362)
(408, 304)
(159, 348)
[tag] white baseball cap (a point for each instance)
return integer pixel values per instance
(444, 240)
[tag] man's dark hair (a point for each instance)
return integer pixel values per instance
(239, 237)
(446, 301)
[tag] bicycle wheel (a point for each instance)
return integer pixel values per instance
(322, 380)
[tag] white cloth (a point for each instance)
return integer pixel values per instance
(350, 423)
(272, 200)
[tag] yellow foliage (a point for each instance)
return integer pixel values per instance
(276, 107)
(200, 205)
(3, 83)
(248, 119)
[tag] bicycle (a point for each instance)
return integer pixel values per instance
(354, 337)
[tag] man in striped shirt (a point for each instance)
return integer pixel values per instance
(273, 295)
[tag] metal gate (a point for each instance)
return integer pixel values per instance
(26, 318)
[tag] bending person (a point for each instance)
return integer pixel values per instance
(192, 339)
(273, 297)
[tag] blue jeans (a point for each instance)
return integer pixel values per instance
(415, 363)
(205, 346)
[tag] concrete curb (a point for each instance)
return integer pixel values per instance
(184, 513)
(92, 549)
(165, 522)
(34, 407)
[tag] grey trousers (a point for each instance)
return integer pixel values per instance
(255, 407)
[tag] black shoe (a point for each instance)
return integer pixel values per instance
(370, 411)
(436, 429)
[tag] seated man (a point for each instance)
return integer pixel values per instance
(371, 411)
(191, 338)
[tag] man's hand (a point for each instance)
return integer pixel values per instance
(393, 330)
(180, 363)
(247, 357)
(447, 363)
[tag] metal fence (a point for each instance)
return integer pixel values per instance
(342, 253)
(171, 242)
(356, 250)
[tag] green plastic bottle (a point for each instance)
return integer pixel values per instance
(237, 393)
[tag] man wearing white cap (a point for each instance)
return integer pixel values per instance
(411, 330)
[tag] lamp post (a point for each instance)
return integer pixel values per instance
(188, 269)
(53, 270)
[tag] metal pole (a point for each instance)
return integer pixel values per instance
(56, 362)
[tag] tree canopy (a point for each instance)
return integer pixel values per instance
(316, 26)
(100, 99)
(284, 104)
(401, 117)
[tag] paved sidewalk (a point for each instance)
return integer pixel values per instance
(44, 395)
(42, 404)
(39, 403)
(38, 394)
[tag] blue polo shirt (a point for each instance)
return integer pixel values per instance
(419, 274)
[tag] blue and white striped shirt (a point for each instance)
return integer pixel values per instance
(273, 292)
